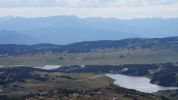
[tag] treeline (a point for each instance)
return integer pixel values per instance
(12, 49)
(19, 74)
(129, 69)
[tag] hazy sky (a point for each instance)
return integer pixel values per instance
(124, 9)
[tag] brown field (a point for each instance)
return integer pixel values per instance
(78, 81)
(98, 57)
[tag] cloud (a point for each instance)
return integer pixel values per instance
(83, 3)
(144, 2)
(116, 12)
(124, 9)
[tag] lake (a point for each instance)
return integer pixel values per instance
(141, 84)
(49, 67)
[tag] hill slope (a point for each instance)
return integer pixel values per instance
(133, 43)
(127, 51)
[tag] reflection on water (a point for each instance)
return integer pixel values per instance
(137, 83)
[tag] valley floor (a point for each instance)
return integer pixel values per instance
(80, 83)
(94, 57)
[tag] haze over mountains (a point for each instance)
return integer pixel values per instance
(69, 29)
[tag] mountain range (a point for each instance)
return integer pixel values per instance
(70, 29)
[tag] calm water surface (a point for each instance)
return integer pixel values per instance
(49, 67)
(137, 83)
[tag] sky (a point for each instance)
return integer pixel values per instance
(123, 9)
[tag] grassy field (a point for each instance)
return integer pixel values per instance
(67, 81)
(98, 57)
(82, 81)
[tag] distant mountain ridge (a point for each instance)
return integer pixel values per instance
(13, 37)
(71, 29)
